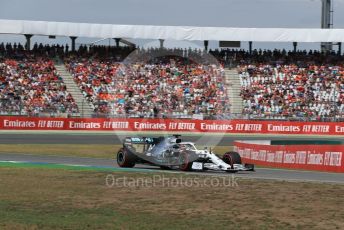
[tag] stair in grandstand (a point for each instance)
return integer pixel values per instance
(85, 108)
(233, 90)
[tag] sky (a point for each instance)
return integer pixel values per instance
(226, 13)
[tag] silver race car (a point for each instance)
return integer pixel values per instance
(171, 153)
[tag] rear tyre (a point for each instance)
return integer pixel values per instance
(232, 158)
(125, 159)
(185, 164)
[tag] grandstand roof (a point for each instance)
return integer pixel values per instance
(170, 32)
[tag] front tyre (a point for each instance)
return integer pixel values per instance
(125, 159)
(232, 158)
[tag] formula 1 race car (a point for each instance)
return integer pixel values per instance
(171, 153)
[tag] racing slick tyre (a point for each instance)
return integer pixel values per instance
(125, 159)
(185, 164)
(232, 158)
(165, 167)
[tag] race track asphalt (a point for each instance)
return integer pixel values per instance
(90, 138)
(60, 138)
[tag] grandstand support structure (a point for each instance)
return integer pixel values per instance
(28, 41)
(233, 90)
(161, 43)
(85, 108)
(126, 42)
(206, 44)
(73, 38)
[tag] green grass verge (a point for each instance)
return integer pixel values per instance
(69, 199)
(11, 164)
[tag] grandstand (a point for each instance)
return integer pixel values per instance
(104, 81)
(31, 86)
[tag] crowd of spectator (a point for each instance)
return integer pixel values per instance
(291, 91)
(124, 81)
(294, 85)
(30, 85)
(165, 86)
